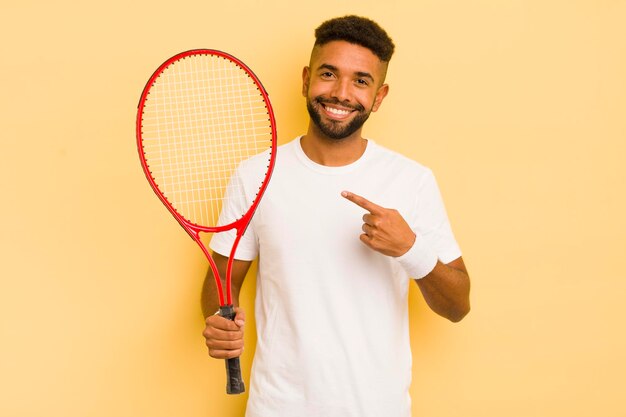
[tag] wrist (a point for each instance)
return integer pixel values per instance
(419, 260)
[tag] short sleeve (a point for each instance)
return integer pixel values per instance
(236, 202)
(431, 220)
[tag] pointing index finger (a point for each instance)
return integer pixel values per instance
(361, 201)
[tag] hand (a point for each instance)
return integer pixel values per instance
(224, 337)
(384, 230)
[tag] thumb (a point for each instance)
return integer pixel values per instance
(240, 316)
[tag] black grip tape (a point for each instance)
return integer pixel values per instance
(234, 382)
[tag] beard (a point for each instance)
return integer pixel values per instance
(335, 129)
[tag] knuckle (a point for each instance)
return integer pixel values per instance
(236, 345)
(233, 354)
(210, 342)
(216, 354)
(231, 336)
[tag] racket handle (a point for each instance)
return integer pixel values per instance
(234, 381)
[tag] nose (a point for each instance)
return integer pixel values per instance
(340, 90)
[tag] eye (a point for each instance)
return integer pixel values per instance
(326, 75)
(362, 82)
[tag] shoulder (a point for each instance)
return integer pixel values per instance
(258, 165)
(261, 160)
(398, 163)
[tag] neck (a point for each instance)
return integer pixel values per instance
(333, 152)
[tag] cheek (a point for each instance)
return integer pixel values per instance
(315, 90)
(368, 101)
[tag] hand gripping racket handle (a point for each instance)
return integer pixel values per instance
(234, 382)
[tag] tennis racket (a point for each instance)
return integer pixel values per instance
(202, 113)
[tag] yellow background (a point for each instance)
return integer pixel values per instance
(518, 106)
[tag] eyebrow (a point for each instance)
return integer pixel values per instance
(361, 74)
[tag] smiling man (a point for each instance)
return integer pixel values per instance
(344, 227)
(328, 88)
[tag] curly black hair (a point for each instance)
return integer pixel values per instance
(357, 30)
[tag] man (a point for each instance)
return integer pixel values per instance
(342, 228)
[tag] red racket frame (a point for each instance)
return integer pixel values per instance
(194, 229)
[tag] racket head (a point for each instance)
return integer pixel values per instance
(201, 114)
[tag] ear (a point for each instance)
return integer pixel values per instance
(380, 95)
(306, 77)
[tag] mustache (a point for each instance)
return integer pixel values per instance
(322, 100)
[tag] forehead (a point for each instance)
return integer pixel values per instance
(347, 57)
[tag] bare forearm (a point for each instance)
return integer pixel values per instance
(446, 290)
(210, 299)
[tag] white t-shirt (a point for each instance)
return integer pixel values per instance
(332, 314)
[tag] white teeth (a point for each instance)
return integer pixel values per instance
(337, 111)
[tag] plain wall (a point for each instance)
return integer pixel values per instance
(517, 106)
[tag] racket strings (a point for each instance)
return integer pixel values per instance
(203, 117)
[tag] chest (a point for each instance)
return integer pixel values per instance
(302, 208)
